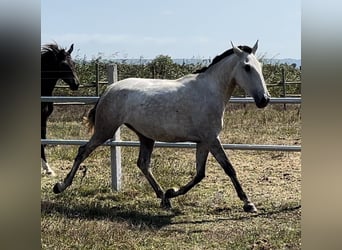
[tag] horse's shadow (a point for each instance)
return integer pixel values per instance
(142, 219)
(241, 216)
(134, 217)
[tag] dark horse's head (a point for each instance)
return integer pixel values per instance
(56, 63)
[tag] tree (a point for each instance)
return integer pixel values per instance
(162, 67)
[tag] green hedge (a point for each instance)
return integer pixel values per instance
(163, 67)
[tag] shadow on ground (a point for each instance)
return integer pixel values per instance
(92, 212)
(138, 218)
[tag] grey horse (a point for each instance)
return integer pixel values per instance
(190, 108)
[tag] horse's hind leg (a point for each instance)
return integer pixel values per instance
(146, 148)
(47, 169)
(202, 151)
(83, 152)
(217, 150)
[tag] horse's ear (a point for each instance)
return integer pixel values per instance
(236, 50)
(255, 47)
(71, 48)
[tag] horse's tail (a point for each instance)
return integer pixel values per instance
(90, 119)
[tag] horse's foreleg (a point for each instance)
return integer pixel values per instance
(217, 150)
(146, 148)
(47, 169)
(202, 152)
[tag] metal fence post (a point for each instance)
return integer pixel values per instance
(115, 157)
(283, 80)
(97, 79)
(115, 151)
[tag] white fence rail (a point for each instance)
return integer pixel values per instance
(116, 152)
(93, 99)
(116, 143)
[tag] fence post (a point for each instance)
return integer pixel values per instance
(112, 73)
(97, 75)
(283, 79)
(115, 151)
(115, 159)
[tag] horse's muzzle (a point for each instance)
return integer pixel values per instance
(74, 86)
(263, 101)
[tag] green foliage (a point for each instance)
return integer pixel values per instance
(163, 67)
(273, 74)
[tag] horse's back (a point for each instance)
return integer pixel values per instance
(166, 94)
(151, 86)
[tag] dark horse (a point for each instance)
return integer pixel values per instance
(56, 63)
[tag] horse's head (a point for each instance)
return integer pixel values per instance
(66, 67)
(248, 75)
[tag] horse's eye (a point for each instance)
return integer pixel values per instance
(247, 67)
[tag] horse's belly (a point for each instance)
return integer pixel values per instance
(171, 136)
(165, 132)
(175, 129)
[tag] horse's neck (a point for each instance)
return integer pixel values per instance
(49, 77)
(221, 74)
(47, 86)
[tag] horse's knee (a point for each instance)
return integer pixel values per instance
(81, 149)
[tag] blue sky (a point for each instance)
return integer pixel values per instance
(178, 28)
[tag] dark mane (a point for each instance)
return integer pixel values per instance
(53, 51)
(52, 47)
(222, 56)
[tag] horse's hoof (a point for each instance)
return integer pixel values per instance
(58, 188)
(250, 208)
(50, 173)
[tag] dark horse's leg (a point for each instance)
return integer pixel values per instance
(47, 169)
(202, 151)
(47, 109)
(217, 150)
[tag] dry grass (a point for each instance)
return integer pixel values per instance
(89, 215)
